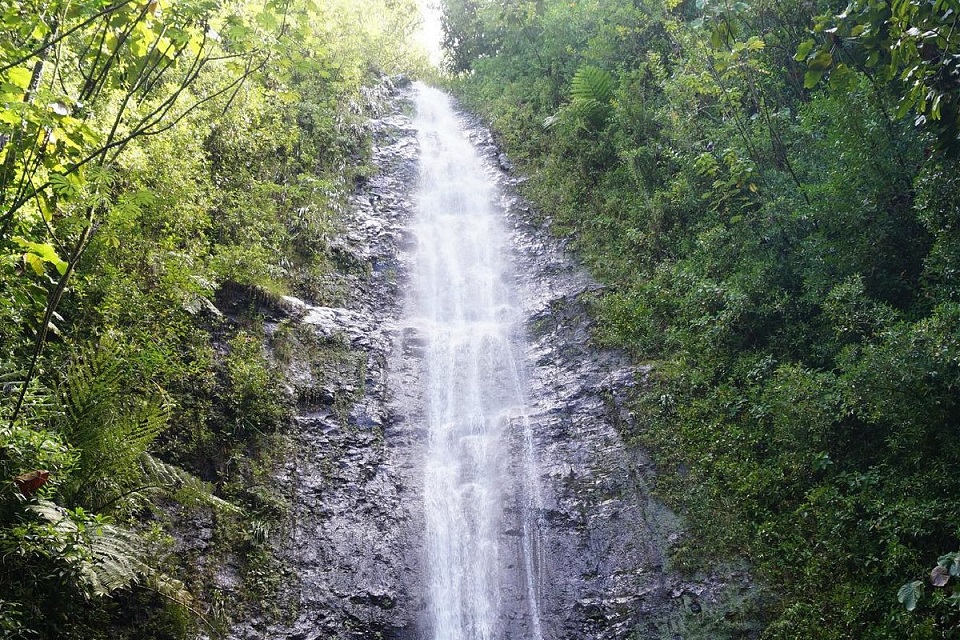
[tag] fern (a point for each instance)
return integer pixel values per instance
(174, 480)
(591, 92)
(112, 429)
(106, 558)
(108, 424)
(592, 84)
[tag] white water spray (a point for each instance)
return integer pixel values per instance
(475, 399)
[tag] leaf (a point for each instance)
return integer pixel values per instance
(811, 78)
(718, 37)
(822, 60)
(804, 50)
(111, 557)
(43, 252)
(39, 31)
(939, 576)
(909, 594)
(591, 90)
(951, 562)
(35, 263)
(592, 83)
(20, 77)
(63, 186)
(10, 92)
(144, 198)
(28, 483)
(842, 78)
(906, 103)
(171, 479)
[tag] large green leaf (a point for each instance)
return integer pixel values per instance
(909, 594)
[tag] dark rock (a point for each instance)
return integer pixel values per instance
(355, 532)
(348, 526)
(233, 298)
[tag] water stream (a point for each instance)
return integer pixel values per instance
(480, 453)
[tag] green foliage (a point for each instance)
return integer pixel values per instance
(591, 90)
(912, 44)
(463, 38)
(909, 594)
(782, 251)
(108, 430)
(254, 400)
(152, 155)
(74, 557)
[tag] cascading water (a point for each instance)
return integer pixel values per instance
(475, 403)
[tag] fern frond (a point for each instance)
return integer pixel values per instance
(116, 558)
(174, 480)
(103, 556)
(108, 426)
(47, 510)
(591, 91)
(591, 94)
(106, 557)
(176, 592)
(92, 381)
(592, 84)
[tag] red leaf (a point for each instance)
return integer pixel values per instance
(29, 482)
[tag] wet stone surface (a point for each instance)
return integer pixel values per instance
(351, 543)
(354, 540)
(604, 538)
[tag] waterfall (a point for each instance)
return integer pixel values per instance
(480, 449)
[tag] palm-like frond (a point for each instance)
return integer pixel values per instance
(103, 556)
(591, 92)
(112, 430)
(106, 557)
(108, 426)
(174, 480)
(592, 84)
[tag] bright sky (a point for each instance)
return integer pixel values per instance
(430, 31)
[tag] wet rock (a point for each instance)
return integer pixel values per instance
(352, 538)
(603, 538)
(233, 298)
(380, 600)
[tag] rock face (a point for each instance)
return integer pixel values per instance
(603, 538)
(354, 541)
(351, 541)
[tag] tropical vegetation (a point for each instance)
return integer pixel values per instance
(155, 157)
(769, 193)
